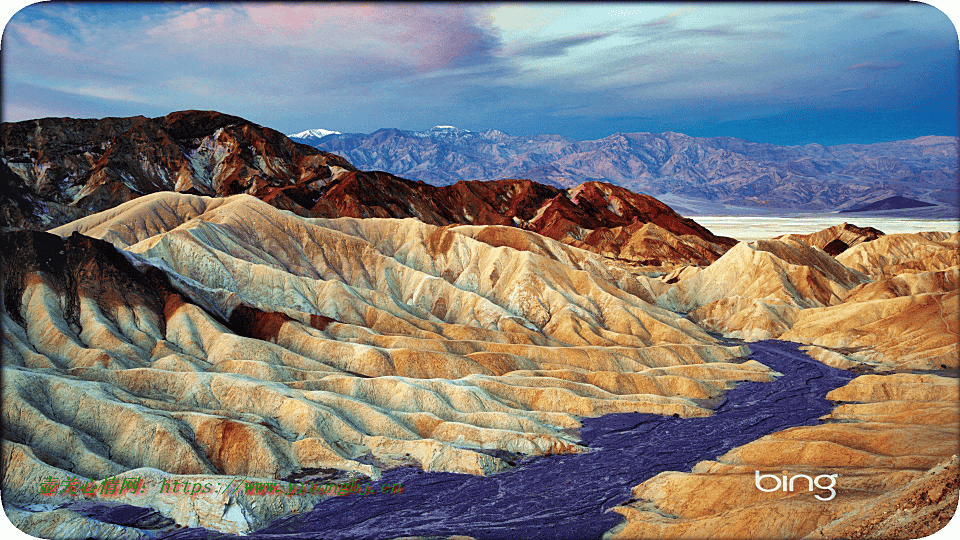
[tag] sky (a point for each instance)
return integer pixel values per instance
(782, 73)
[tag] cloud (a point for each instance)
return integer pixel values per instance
(876, 13)
(730, 31)
(662, 22)
(875, 66)
(233, 51)
(559, 46)
(447, 36)
(356, 67)
(848, 89)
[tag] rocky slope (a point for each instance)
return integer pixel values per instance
(582, 216)
(201, 337)
(328, 323)
(837, 239)
(885, 304)
(889, 303)
(74, 167)
(719, 169)
(891, 443)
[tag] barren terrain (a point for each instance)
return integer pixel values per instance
(570, 363)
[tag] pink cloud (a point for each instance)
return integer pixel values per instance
(381, 38)
(309, 19)
(202, 19)
(443, 35)
(49, 43)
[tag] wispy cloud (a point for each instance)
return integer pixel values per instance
(662, 22)
(559, 46)
(875, 66)
(726, 30)
(877, 12)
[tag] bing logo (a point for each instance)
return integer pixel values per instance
(830, 480)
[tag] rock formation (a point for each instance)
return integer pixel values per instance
(904, 254)
(222, 336)
(598, 217)
(891, 443)
(59, 169)
(835, 240)
(886, 303)
(79, 166)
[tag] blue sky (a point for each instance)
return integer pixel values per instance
(780, 73)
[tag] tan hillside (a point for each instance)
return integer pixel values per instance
(904, 253)
(255, 342)
(837, 239)
(755, 290)
(179, 334)
(892, 445)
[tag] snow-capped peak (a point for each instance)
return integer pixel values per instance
(443, 131)
(313, 133)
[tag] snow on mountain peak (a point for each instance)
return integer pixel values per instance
(447, 129)
(320, 132)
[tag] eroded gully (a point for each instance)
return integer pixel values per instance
(569, 496)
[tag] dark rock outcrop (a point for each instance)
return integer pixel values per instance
(74, 167)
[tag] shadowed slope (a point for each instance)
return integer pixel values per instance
(837, 239)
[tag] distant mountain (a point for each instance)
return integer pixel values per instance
(891, 203)
(717, 169)
(312, 136)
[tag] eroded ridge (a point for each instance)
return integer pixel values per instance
(890, 447)
(185, 335)
(888, 303)
(569, 496)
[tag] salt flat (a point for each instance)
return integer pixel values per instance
(748, 228)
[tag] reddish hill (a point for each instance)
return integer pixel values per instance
(379, 194)
(66, 168)
(594, 205)
(81, 166)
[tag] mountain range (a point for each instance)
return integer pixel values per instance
(57, 170)
(736, 172)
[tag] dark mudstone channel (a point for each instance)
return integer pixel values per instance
(567, 496)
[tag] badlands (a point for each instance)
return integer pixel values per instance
(503, 337)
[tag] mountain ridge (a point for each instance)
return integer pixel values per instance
(58, 170)
(717, 169)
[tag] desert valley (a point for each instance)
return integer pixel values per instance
(197, 297)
